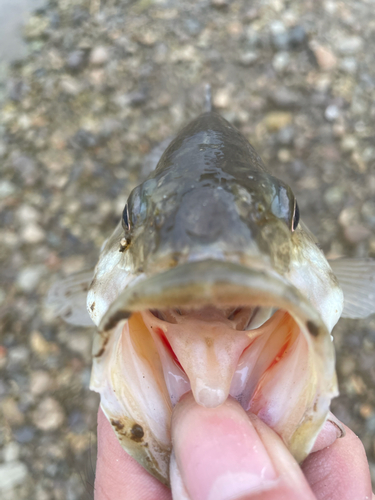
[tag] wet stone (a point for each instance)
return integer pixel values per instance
(24, 434)
(29, 278)
(349, 45)
(11, 452)
(49, 415)
(248, 58)
(76, 60)
(99, 55)
(12, 474)
(7, 188)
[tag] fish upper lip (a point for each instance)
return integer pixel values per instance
(209, 281)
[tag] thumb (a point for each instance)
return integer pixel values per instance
(224, 454)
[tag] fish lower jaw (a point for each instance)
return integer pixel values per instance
(148, 362)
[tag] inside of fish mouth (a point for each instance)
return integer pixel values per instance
(217, 352)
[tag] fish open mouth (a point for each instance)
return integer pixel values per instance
(218, 329)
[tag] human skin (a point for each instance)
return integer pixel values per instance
(227, 454)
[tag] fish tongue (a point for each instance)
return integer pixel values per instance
(209, 354)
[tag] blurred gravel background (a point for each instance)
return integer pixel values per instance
(102, 83)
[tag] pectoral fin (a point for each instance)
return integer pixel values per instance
(67, 298)
(357, 280)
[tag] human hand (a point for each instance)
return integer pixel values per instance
(226, 454)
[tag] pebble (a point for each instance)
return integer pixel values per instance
(222, 98)
(29, 278)
(332, 112)
(349, 45)
(12, 474)
(356, 234)
(11, 412)
(99, 55)
(276, 120)
(7, 188)
(286, 98)
(33, 233)
(76, 60)
(334, 195)
(348, 143)
(280, 61)
(41, 346)
(11, 452)
(35, 27)
(248, 58)
(325, 58)
(48, 415)
(349, 65)
(24, 434)
(285, 136)
(26, 168)
(18, 355)
(40, 382)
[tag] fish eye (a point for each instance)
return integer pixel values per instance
(295, 217)
(125, 218)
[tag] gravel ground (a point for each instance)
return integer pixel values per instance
(106, 81)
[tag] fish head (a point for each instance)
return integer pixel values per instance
(211, 283)
(210, 197)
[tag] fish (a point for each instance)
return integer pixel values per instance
(212, 283)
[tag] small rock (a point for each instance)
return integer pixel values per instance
(28, 279)
(70, 85)
(11, 452)
(220, 4)
(33, 233)
(284, 155)
(349, 45)
(297, 36)
(349, 65)
(18, 355)
(83, 139)
(332, 112)
(24, 434)
(35, 27)
(285, 98)
(348, 143)
(280, 61)
(26, 168)
(12, 474)
(76, 60)
(248, 58)
(334, 195)
(7, 188)
(356, 234)
(11, 412)
(276, 120)
(325, 58)
(366, 411)
(99, 55)
(285, 136)
(40, 345)
(40, 382)
(49, 415)
(193, 26)
(222, 98)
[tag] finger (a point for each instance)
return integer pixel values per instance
(341, 471)
(332, 429)
(118, 476)
(223, 454)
